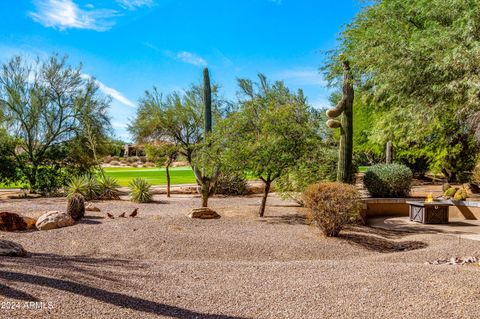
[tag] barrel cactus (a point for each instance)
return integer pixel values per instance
(345, 109)
(76, 206)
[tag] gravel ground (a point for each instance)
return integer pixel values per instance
(162, 264)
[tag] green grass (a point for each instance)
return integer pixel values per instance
(363, 169)
(155, 176)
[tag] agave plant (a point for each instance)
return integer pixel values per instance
(92, 188)
(140, 191)
(108, 187)
(76, 185)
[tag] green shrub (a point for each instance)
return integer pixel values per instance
(388, 180)
(140, 191)
(233, 184)
(108, 188)
(319, 166)
(332, 205)
(49, 179)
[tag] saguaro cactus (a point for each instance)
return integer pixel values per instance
(206, 182)
(345, 109)
(207, 96)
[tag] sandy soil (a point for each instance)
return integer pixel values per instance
(162, 264)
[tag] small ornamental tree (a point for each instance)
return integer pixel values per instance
(269, 133)
(163, 154)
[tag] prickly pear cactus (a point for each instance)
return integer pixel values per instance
(344, 109)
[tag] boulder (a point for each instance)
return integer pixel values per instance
(9, 248)
(12, 222)
(54, 219)
(203, 213)
(91, 208)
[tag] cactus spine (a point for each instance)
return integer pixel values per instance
(345, 109)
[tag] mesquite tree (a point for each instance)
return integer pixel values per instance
(345, 109)
(206, 179)
(269, 134)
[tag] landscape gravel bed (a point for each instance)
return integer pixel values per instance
(163, 264)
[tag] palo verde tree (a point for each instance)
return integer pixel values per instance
(344, 108)
(269, 133)
(163, 154)
(48, 107)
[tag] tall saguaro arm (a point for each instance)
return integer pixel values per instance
(344, 109)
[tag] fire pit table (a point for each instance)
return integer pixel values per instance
(435, 212)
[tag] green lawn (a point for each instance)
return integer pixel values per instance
(155, 176)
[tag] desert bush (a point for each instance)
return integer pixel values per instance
(114, 163)
(49, 179)
(108, 188)
(142, 159)
(332, 206)
(76, 206)
(107, 159)
(140, 191)
(388, 180)
(86, 185)
(134, 165)
(233, 184)
(315, 167)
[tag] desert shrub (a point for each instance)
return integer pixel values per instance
(76, 206)
(140, 191)
(233, 184)
(132, 159)
(108, 188)
(319, 166)
(142, 159)
(332, 206)
(49, 179)
(86, 185)
(476, 174)
(76, 185)
(114, 163)
(107, 159)
(134, 165)
(388, 180)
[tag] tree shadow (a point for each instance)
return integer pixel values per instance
(113, 298)
(291, 219)
(380, 240)
(83, 270)
(12, 293)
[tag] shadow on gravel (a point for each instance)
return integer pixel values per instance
(381, 245)
(11, 293)
(293, 219)
(113, 298)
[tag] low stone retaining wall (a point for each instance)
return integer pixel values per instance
(378, 207)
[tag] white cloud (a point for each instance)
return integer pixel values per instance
(135, 4)
(65, 14)
(303, 77)
(114, 94)
(191, 58)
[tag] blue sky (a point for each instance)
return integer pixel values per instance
(133, 45)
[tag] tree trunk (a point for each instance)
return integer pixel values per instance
(388, 155)
(264, 199)
(205, 195)
(167, 174)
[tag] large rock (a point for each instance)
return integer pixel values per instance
(91, 208)
(203, 213)
(9, 248)
(54, 219)
(12, 222)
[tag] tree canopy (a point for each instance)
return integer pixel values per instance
(52, 114)
(415, 65)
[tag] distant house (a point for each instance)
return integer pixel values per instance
(134, 150)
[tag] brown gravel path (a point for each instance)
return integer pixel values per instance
(163, 264)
